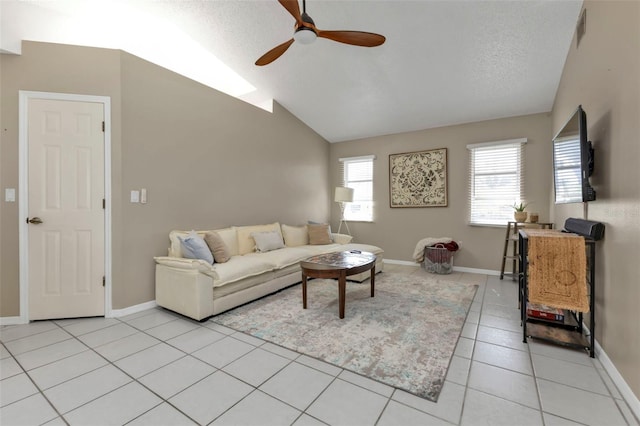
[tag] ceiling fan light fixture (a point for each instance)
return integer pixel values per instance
(305, 35)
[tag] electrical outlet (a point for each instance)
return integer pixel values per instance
(135, 196)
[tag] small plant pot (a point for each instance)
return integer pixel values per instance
(520, 216)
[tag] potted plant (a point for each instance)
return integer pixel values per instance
(520, 215)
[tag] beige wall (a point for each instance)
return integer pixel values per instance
(47, 68)
(603, 75)
(397, 230)
(207, 160)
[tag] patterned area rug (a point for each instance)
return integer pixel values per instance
(404, 336)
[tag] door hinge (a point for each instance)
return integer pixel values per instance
(103, 126)
(104, 204)
(103, 281)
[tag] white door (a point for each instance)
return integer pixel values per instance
(66, 230)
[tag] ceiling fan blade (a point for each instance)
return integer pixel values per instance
(294, 9)
(357, 38)
(274, 53)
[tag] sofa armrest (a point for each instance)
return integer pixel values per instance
(185, 291)
(187, 264)
(341, 238)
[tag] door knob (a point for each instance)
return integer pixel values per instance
(35, 220)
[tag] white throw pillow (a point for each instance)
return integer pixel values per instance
(194, 247)
(267, 241)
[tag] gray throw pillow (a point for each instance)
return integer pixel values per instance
(194, 247)
(267, 241)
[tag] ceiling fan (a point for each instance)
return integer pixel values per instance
(306, 32)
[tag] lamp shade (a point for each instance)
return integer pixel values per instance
(343, 195)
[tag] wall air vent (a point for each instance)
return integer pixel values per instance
(581, 28)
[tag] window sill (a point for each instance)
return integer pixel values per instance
(488, 225)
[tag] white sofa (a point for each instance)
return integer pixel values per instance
(197, 289)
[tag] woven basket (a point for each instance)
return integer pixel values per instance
(438, 260)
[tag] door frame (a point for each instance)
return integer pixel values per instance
(23, 185)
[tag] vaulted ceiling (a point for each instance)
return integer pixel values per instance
(443, 62)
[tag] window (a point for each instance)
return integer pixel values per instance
(357, 173)
(495, 181)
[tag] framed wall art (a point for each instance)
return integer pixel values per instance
(418, 179)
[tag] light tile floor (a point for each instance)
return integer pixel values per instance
(158, 368)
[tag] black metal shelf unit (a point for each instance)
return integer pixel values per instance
(571, 331)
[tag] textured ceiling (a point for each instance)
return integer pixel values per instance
(444, 62)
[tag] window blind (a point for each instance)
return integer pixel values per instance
(566, 154)
(496, 171)
(357, 173)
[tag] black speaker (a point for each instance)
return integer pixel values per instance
(586, 228)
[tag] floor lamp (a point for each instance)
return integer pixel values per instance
(343, 195)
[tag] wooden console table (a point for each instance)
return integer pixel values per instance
(511, 239)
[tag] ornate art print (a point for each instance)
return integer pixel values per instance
(418, 179)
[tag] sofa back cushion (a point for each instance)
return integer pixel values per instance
(230, 238)
(246, 243)
(295, 236)
(175, 250)
(228, 235)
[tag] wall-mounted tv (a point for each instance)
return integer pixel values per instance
(573, 161)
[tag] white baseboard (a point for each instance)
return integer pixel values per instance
(11, 320)
(115, 313)
(400, 262)
(618, 380)
(476, 270)
(455, 268)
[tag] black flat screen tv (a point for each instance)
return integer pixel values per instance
(573, 161)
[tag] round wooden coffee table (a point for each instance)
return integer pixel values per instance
(338, 266)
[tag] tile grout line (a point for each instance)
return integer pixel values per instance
(25, 372)
(475, 341)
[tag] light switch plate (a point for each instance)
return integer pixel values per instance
(135, 196)
(10, 195)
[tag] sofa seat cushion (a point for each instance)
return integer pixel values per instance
(291, 269)
(362, 247)
(244, 283)
(282, 257)
(320, 249)
(240, 267)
